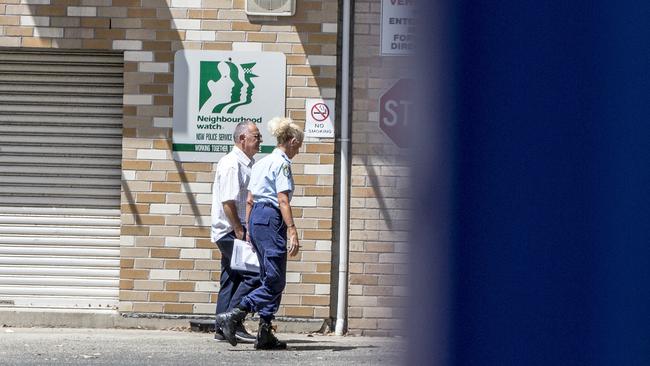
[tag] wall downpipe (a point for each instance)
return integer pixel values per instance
(342, 299)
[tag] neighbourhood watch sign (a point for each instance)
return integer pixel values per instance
(215, 90)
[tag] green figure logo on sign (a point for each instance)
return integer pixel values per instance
(225, 86)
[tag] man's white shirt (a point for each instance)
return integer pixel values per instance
(230, 184)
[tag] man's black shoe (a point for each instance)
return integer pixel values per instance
(218, 335)
(242, 334)
(266, 339)
(228, 323)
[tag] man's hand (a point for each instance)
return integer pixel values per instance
(240, 232)
(293, 244)
(230, 210)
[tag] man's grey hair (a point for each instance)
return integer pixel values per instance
(240, 129)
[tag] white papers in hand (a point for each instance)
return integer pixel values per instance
(243, 257)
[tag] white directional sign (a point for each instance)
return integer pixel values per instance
(215, 90)
(397, 27)
(320, 118)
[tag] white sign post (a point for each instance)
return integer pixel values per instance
(397, 27)
(215, 90)
(320, 118)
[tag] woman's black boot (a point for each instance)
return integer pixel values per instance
(228, 323)
(266, 339)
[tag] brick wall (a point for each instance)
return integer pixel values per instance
(168, 264)
(379, 196)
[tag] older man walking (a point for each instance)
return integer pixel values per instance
(229, 194)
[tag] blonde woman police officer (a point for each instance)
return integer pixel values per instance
(272, 231)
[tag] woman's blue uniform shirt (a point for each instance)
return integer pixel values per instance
(270, 175)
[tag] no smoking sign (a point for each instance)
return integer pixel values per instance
(320, 118)
(320, 112)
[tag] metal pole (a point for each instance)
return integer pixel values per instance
(341, 309)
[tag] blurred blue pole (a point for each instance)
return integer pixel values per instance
(531, 233)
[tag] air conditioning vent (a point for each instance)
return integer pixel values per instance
(271, 7)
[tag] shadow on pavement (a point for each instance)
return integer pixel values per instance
(298, 346)
(324, 348)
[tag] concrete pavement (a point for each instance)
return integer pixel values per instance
(66, 346)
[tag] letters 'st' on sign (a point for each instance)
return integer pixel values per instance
(320, 118)
(395, 111)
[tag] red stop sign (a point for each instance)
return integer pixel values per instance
(395, 110)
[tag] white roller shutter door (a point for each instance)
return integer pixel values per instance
(60, 174)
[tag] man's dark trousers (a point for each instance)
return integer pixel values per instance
(234, 284)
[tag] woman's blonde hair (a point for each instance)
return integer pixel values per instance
(284, 129)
